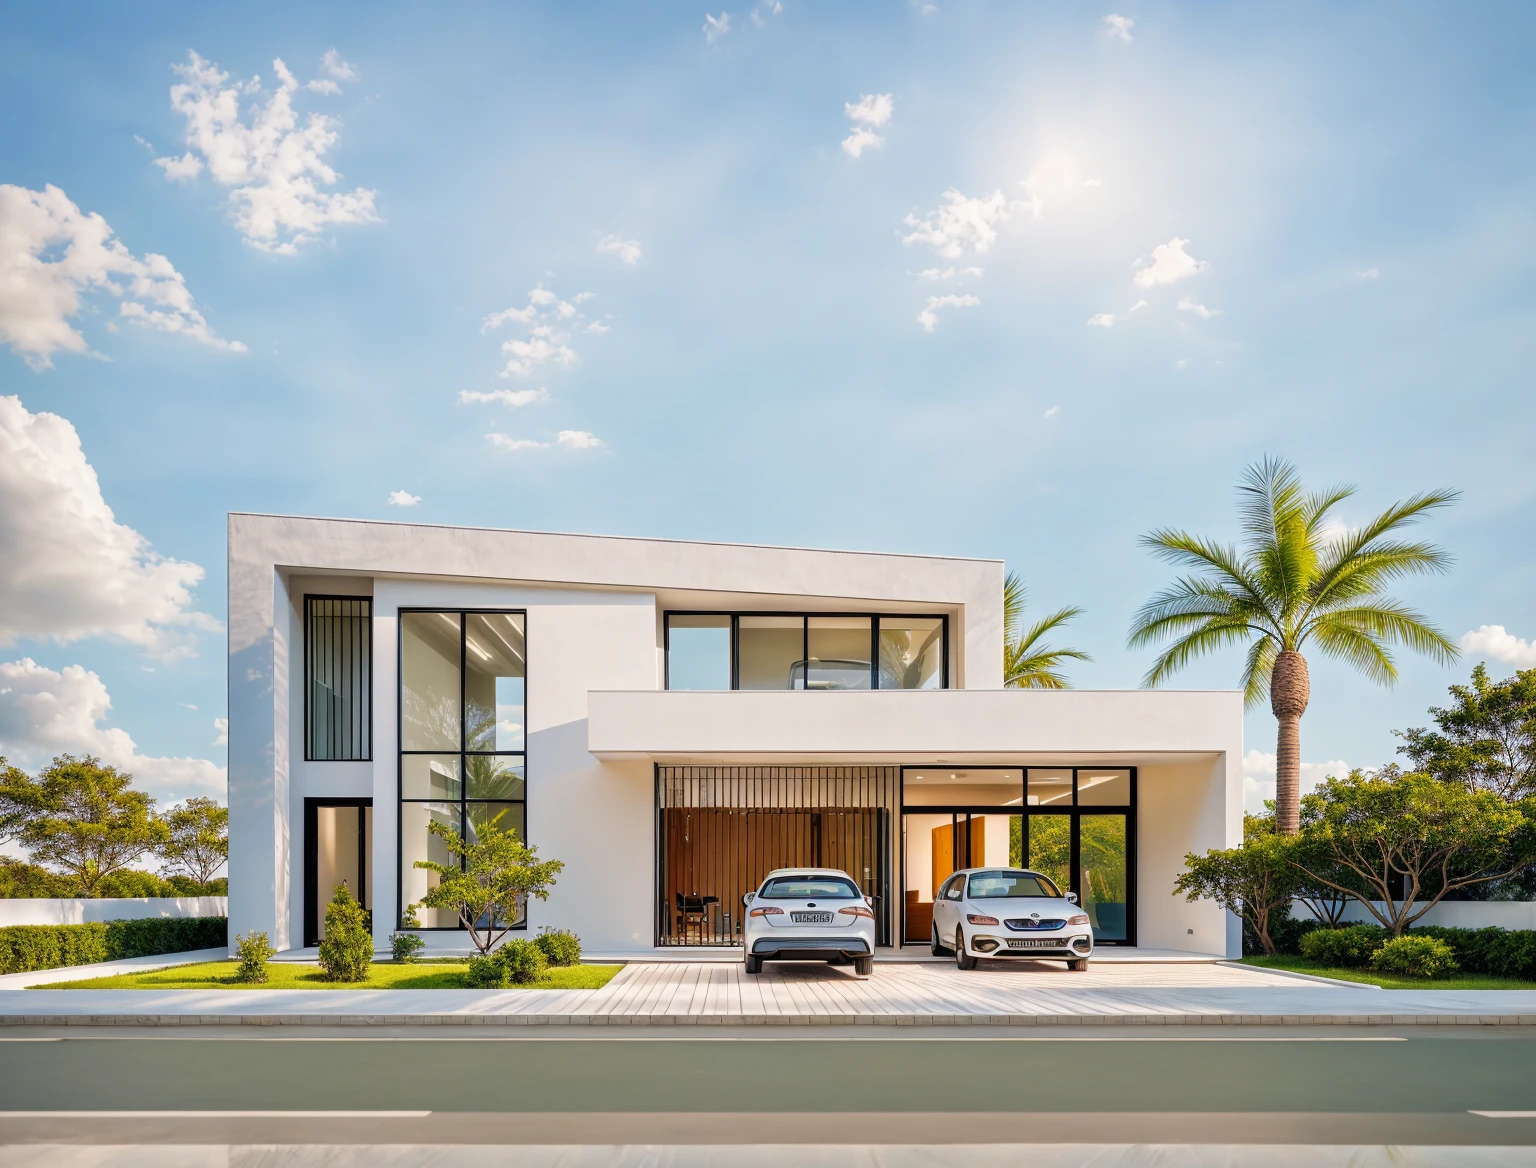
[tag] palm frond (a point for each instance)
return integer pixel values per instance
(1257, 669)
(1190, 551)
(1028, 664)
(1320, 503)
(1187, 603)
(1355, 646)
(1014, 599)
(1213, 635)
(1391, 623)
(1416, 558)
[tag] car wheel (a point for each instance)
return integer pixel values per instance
(864, 966)
(938, 948)
(963, 959)
(1078, 965)
(754, 964)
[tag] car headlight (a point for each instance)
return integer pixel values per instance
(978, 919)
(857, 911)
(773, 912)
(1079, 919)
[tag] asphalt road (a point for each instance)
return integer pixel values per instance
(1368, 1086)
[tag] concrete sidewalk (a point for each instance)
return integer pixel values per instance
(811, 995)
(37, 977)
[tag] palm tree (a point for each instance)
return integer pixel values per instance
(1027, 664)
(1298, 578)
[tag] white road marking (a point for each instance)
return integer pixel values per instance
(1505, 1114)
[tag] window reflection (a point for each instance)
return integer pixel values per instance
(698, 652)
(494, 673)
(771, 652)
(838, 653)
(429, 700)
(911, 652)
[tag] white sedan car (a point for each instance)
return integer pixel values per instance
(809, 914)
(1009, 912)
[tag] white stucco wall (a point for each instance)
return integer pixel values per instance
(1181, 809)
(80, 911)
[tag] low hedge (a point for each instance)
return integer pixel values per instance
(27, 947)
(1493, 951)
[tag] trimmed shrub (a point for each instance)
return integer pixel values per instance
(253, 950)
(405, 945)
(487, 973)
(1349, 948)
(559, 946)
(24, 948)
(1415, 957)
(523, 960)
(347, 950)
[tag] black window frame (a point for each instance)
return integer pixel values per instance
(463, 754)
(805, 618)
(1075, 811)
(309, 665)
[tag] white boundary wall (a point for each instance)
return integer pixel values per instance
(1454, 914)
(79, 911)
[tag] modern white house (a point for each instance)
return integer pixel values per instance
(675, 719)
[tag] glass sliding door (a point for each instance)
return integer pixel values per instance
(1103, 875)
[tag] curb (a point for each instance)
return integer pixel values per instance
(802, 1020)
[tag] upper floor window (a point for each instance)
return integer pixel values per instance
(338, 672)
(712, 650)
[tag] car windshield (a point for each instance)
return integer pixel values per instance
(1008, 885)
(801, 887)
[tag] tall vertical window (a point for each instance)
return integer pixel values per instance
(338, 672)
(463, 679)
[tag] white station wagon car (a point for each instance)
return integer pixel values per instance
(1009, 912)
(809, 914)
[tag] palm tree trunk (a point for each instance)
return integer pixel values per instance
(1289, 689)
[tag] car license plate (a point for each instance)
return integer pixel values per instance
(810, 918)
(1035, 943)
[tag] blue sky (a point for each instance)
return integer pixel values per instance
(1351, 185)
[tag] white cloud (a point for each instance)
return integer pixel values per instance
(872, 109)
(69, 569)
(959, 223)
(596, 326)
(1496, 642)
(1118, 28)
(1371, 274)
(1169, 263)
(46, 712)
(716, 27)
(1181, 363)
(765, 9)
(52, 254)
(221, 732)
(403, 499)
(1190, 304)
(860, 140)
(512, 398)
(1259, 777)
(870, 112)
(1109, 319)
(332, 65)
(551, 320)
(565, 440)
(1052, 412)
(628, 250)
(1055, 179)
(928, 317)
(949, 273)
(274, 166)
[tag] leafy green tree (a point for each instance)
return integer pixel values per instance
(1389, 839)
(1486, 739)
(81, 817)
(1297, 580)
(1027, 662)
(1255, 881)
(492, 888)
(196, 844)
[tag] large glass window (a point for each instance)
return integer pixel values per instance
(463, 734)
(699, 652)
(338, 669)
(762, 651)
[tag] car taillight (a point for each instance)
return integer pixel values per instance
(978, 919)
(766, 912)
(1079, 919)
(857, 911)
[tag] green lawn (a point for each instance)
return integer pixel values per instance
(283, 975)
(1461, 981)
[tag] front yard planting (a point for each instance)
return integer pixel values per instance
(1388, 981)
(281, 975)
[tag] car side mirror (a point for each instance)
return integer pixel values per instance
(870, 900)
(747, 897)
(1072, 896)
